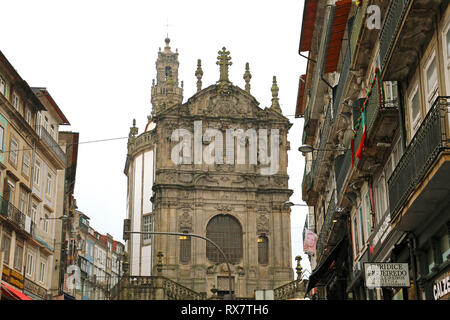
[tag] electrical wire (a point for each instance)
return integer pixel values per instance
(69, 144)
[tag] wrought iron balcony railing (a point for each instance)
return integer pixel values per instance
(429, 141)
(394, 17)
(342, 171)
(17, 217)
(345, 71)
(322, 143)
(49, 141)
(326, 227)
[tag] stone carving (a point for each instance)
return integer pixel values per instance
(224, 208)
(185, 221)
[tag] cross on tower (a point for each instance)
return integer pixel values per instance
(167, 25)
(224, 61)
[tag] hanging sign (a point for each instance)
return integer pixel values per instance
(378, 275)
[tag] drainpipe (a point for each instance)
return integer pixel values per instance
(412, 257)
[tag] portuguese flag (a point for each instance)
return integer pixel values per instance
(363, 139)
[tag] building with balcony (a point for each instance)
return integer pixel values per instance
(375, 103)
(32, 162)
(99, 259)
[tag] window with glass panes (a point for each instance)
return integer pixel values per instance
(13, 150)
(18, 254)
(147, 227)
(6, 246)
(226, 232)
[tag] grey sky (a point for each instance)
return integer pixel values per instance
(97, 59)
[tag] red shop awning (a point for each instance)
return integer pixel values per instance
(11, 293)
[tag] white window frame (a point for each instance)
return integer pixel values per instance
(431, 93)
(16, 101)
(30, 264)
(46, 222)
(446, 51)
(26, 164)
(3, 86)
(415, 122)
(381, 199)
(42, 270)
(49, 184)
(34, 211)
(22, 201)
(12, 189)
(37, 172)
(28, 116)
(367, 213)
(14, 150)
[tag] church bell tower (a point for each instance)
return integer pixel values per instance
(166, 91)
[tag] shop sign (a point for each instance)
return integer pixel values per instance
(35, 289)
(13, 277)
(441, 287)
(378, 275)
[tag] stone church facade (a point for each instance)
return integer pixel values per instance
(215, 166)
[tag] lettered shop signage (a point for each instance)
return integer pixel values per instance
(378, 275)
(441, 287)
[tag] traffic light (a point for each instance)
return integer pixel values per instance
(126, 229)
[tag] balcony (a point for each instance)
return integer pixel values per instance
(51, 143)
(308, 194)
(16, 217)
(419, 186)
(342, 167)
(381, 123)
(407, 26)
(322, 240)
(345, 71)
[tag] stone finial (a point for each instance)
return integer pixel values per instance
(199, 75)
(224, 61)
(275, 101)
(133, 130)
(247, 77)
(299, 267)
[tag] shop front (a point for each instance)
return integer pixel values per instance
(12, 285)
(34, 290)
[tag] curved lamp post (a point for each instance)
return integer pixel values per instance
(306, 148)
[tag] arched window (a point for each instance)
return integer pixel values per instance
(226, 232)
(167, 72)
(263, 250)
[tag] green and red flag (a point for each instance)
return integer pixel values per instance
(364, 128)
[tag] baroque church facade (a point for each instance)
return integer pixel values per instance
(214, 166)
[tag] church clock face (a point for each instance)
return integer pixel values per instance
(216, 189)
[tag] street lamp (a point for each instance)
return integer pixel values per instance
(291, 204)
(63, 217)
(306, 148)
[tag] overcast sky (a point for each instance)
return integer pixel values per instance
(97, 60)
